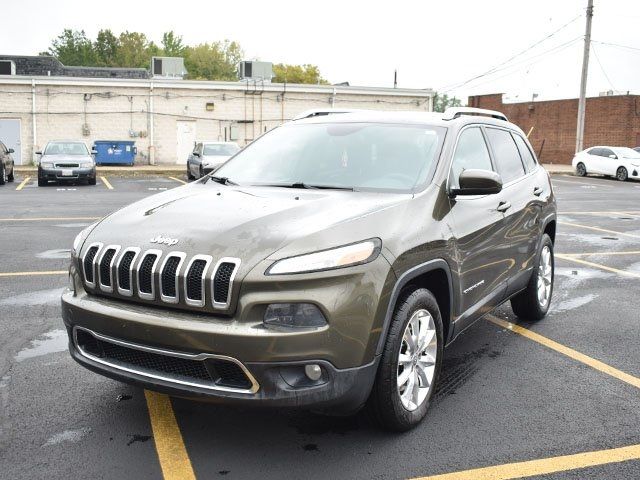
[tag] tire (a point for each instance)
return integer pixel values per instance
(201, 172)
(385, 402)
(581, 170)
(11, 176)
(91, 181)
(42, 182)
(3, 175)
(527, 304)
(622, 174)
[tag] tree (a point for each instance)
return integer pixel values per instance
(106, 48)
(73, 47)
(172, 45)
(134, 50)
(442, 102)
(213, 61)
(297, 74)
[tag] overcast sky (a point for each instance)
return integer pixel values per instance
(439, 45)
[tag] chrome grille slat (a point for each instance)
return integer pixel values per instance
(153, 274)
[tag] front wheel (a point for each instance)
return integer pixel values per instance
(3, 175)
(533, 302)
(410, 363)
(622, 174)
(581, 170)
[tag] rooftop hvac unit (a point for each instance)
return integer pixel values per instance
(168, 67)
(251, 70)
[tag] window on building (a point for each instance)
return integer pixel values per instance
(506, 153)
(471, 153)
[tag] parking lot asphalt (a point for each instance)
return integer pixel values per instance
(555, 399)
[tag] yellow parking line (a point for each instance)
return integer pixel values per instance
(32, 274)
(597, 265)
(177, 180)
(598, 229)
(45, 219)
(569, 352)
(106, 183)
(23, 183)
(172, 454)
(632, 252)
(544, 466)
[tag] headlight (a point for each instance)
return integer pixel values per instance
(346, 256)
(87, 164)
(46, 164)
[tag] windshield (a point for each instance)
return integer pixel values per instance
(66, 148)
(627, 152)
(220, 149)
(348, 155)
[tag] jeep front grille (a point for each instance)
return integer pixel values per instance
(153, 274)
(215, 372)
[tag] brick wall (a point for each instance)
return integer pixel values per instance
(90, 109)
(613, 120)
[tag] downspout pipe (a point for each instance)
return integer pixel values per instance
(34, 142)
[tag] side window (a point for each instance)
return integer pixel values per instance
(471, 153)
(526, 155)
(507, 158)
(594, 151)
(605, 152)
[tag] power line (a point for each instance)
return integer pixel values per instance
(496, 67)
(616, 45)
(595, 54)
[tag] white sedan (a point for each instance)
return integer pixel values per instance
(620, 162)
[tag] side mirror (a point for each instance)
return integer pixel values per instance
(612, 156)
(11, 150)
(38, 153)
(477, 182)
(94, 151)
(196, 154)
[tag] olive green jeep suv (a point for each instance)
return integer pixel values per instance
(325, 266)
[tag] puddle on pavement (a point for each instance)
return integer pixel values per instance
(40, 297)
(62, 253)
(72, 436)
(572, 303)
(53, 341)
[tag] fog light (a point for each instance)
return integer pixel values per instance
(294, 315)
(313, 372)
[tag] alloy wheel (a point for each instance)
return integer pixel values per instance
(545, 276)
(581, 170)
(622, 174)
(417, 359)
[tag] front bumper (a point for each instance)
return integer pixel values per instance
(59, 173)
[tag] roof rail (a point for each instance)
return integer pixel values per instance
(455, 112)
(318, 112)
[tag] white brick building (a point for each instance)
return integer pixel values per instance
(165, 117)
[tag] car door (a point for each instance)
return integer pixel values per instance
(609, 161)
(479, 233)
(594, 160)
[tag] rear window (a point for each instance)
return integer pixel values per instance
(507, 156)
(527, 157)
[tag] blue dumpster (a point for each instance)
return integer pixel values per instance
(115, 152)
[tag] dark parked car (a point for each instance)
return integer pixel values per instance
(325, 266)
(66, 161)
(209, 156)
(6, 164)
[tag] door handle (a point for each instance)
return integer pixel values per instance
(537, 191)
(503, 206)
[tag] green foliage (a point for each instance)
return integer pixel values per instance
(297, 74)
(213, 61)
(206, 61)
(442, 102)
(73, 47)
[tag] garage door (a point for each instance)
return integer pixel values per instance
(10, 136)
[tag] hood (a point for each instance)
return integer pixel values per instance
(66, 158)
(247, 223)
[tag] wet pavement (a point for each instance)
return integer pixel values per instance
(502, 398)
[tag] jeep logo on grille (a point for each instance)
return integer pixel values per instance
(164, 240)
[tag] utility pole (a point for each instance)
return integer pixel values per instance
(583, 81)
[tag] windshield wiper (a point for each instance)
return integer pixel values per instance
(221, 180)
(308, 186)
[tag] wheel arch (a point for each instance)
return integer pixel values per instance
(434, 275)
